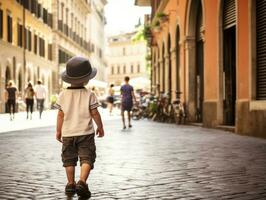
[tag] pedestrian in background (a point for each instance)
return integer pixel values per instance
(127, 93)
(40, 93)
(77, 108)
(110, 98)
(29, 98)
(10, 98)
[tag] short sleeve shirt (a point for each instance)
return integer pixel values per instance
(126, 91)
(76, 104)
(11, 92)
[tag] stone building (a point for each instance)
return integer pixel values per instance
(213, 51)
(126, 57)
(37, 37)
(26, 38)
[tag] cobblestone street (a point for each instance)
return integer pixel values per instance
(149, 161)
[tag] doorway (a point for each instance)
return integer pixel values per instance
(229, 75)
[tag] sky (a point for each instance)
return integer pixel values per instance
(122, 16)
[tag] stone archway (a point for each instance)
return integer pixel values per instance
(163, 70)
(20, 81)
(8, 75)
(177, 52)
(169, 70)
(195, 62)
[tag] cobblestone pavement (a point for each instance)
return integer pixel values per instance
(149, 161)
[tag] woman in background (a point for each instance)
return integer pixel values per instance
(10, 97)
(110, 98)
(29, 98)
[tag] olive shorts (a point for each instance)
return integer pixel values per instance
(82, 147)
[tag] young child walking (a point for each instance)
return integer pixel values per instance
(77, 107)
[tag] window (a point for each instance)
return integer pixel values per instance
(124, 69)
(39, 10)
(19, 26)
(50, 52)
(132, 69)
(118, 69)
(29, 40)
(35, 44)
(260, 50)
(124, 51)
(41, 47)
(112, 70)
(9, 28)
(1, 23)
(138, 68)
(45, 16)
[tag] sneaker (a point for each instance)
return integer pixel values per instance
(83, 189)
(70, 189)
(130, 126)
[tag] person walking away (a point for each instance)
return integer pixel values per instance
(29, 98)
(110, 98)
(10, 98)
(77, 107)
(127, 94)
(40, 93)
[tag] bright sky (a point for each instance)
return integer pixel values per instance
(122, 16)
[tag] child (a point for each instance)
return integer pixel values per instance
(77, 107)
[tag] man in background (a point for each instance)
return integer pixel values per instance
(127, 93)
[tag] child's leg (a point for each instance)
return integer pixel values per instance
(70, 171)
(85, 172)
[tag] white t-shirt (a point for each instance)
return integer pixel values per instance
(40, 92)
(76, 104)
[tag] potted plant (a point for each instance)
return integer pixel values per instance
(147, 32)
(162, 16)
(156, 27)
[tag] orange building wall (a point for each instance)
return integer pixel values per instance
(243, 48)
(211, 46)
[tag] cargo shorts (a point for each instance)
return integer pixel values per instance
(82, 147)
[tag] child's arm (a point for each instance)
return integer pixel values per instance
(97, 118)
(60, 120)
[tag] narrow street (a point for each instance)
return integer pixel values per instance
(149, 161)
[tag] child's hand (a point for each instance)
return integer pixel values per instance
(58, 136)
(100, 132)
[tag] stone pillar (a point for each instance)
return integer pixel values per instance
(166, 73)
(190, 76)
(161, 75)
(173, 74)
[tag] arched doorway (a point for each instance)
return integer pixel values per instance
(195, 41)
(29, 75)
(20, 83)
(7, 75)
(199, 65)
(163, 70)
(169, 78)
(229, 60)
(158, 84)
(177, 51)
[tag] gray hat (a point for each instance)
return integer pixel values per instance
(78, 71)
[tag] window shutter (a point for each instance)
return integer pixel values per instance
(229, 13)
(261, 49)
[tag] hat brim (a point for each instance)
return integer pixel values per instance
(77, 80)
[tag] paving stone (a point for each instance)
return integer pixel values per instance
(149, 161)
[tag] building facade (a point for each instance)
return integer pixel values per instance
(212, 51)
(25, 45)
(126, 57)
(38, 37)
